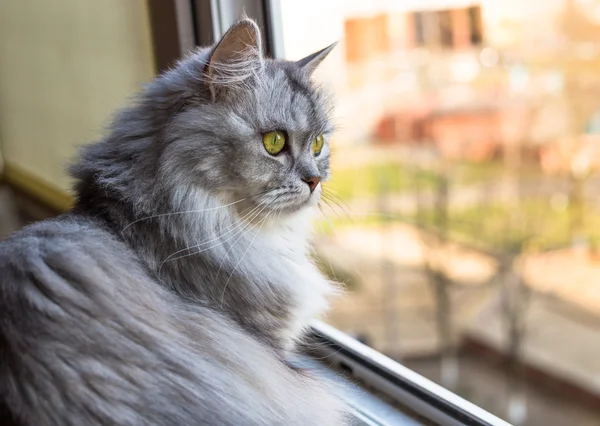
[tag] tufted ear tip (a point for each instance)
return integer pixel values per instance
(246, 29)
(242, 39)
(236, 55)
(312, 61)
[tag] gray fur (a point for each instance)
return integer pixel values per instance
(176, 289)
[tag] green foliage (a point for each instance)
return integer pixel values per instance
(512, 228)
(370, 180)
(509, 227)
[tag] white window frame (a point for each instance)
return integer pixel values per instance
(201, 22)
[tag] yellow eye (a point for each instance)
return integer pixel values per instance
(317, 144)
(274, 142)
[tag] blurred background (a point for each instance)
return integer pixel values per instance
(463, 216)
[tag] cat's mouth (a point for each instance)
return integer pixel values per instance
(296, 202)
(278, 201)
(291, 200)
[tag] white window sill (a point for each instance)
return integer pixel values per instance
(389, 393)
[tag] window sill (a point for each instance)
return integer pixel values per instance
(384, 392)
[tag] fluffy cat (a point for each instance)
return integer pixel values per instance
(175, 290)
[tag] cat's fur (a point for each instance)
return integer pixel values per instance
(176, 289)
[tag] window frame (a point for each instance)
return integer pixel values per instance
(178, 26)
(406, 387)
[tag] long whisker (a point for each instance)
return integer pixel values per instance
(326, 217)
(195, 211)
(249, 217)
(242, 216)
(327, 202)
(242, 257)
(230, 229)
(332, 192)
(242, 224)
(329, 222)
(229, 251)
(323, 232)
(337, 201)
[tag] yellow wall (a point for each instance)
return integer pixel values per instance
(65, 66)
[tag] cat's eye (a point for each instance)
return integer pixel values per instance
(274, 142)
(317, 144)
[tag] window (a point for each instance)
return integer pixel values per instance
(419, 19)
(475, 25)
(367, 37)
(455, 28)
(445, 25)
(462, 215)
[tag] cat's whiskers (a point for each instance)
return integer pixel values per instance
(235, 219)
(328, 239)
(323, 232)
(338, 202)
(328, 219)
(327, 202)
(243, 255)
(333, 191)
(229, 251)
(230, 228)
(198, 210)
(329, 196)
(244, 222)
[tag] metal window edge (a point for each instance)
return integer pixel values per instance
(407, 387)
(212, 18)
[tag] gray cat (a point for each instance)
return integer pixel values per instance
(176, 289)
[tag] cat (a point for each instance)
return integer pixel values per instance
(176, 289)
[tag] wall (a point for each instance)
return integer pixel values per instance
(65, 66)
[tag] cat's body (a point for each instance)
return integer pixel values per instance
(175, 290)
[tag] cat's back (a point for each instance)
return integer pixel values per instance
(54, 283)
(59, 261)
(79, 322)
(68, 229)
(87, 336)
(59, 236)
(39, 254)
(39, 291)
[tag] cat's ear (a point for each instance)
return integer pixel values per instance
(311, 62)
(236, 57)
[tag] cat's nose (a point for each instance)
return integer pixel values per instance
(312, 182)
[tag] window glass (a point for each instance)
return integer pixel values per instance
(463, 214)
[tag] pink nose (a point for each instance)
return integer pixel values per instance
(312, 182)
